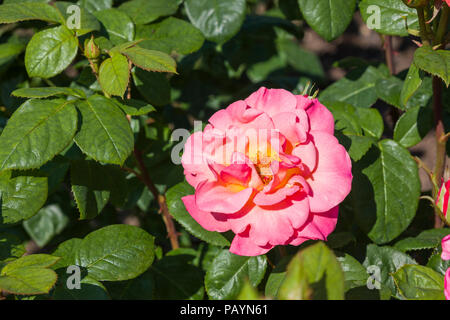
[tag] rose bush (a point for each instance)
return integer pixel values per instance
(269, 169)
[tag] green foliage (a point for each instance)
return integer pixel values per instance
(89, 138)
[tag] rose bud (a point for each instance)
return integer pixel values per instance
(442, 199)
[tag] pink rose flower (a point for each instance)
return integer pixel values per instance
(446, 248)
(269, 169)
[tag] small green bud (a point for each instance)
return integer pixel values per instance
(91, 50)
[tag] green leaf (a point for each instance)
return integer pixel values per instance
(150, 60)
(179, 212)
(370, 121)
(328, 18)
(140, 288)
(118, 25)
(301, 60)
(176, 278)
(436, 62)
(90, 289)
(135, 107)
(46, 92)
(169, 35)
(11, 246)
(437, 264)
(87, 21)
(116, 252)
(47, 223)
(114, 74)
(36, 132)
(66, 251)
(28, 275)
(313, 273)
(389, 90)
(386, 190)
(348, 129)
(9, 51)
(355, 274)
(32, 260)
(413, 126)
(217, 20)
(383, 261)
(105, 134)
(28, 281)
(50, 51)
(394, 16)
(153, 86)
(357, 89)
(21, 197)
(16, 12)
(96, 5)
(145, 11)
(419, 283)
(226, 275)
(428, 239)
(276, 277)
(93, 185)
(411, 84)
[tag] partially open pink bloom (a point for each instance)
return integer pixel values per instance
(447, 284)
(442, 199)
(446, 248)
(269, 169)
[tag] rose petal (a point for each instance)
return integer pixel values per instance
(272, 101)
(204, 218)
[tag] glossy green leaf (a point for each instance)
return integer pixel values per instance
(14, 12)
(47, 223)
(179, 212)
(412, 82)
(66, 251)
(389, 90)
(114, 74)
(135, 107)
(248, 292)
(217, 20)
(419, 283)
(436, 62)
(356, 88)
(226, 275)
(118, 25)
(382, 262)
(150, 60)
(386, 190)
(21, 196)
(438, 264)
(32, 260)
(355, 274)
(393, 16)
(428, 239)
(153, 86)
(37, 131)
(145, 11)
(116, 252)
(169, 35)
(313, 273)
(328, 18)
(46, 92)
(105, 134)
(413, 126)
(50, 51)
(276, 277)
(96, 5)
